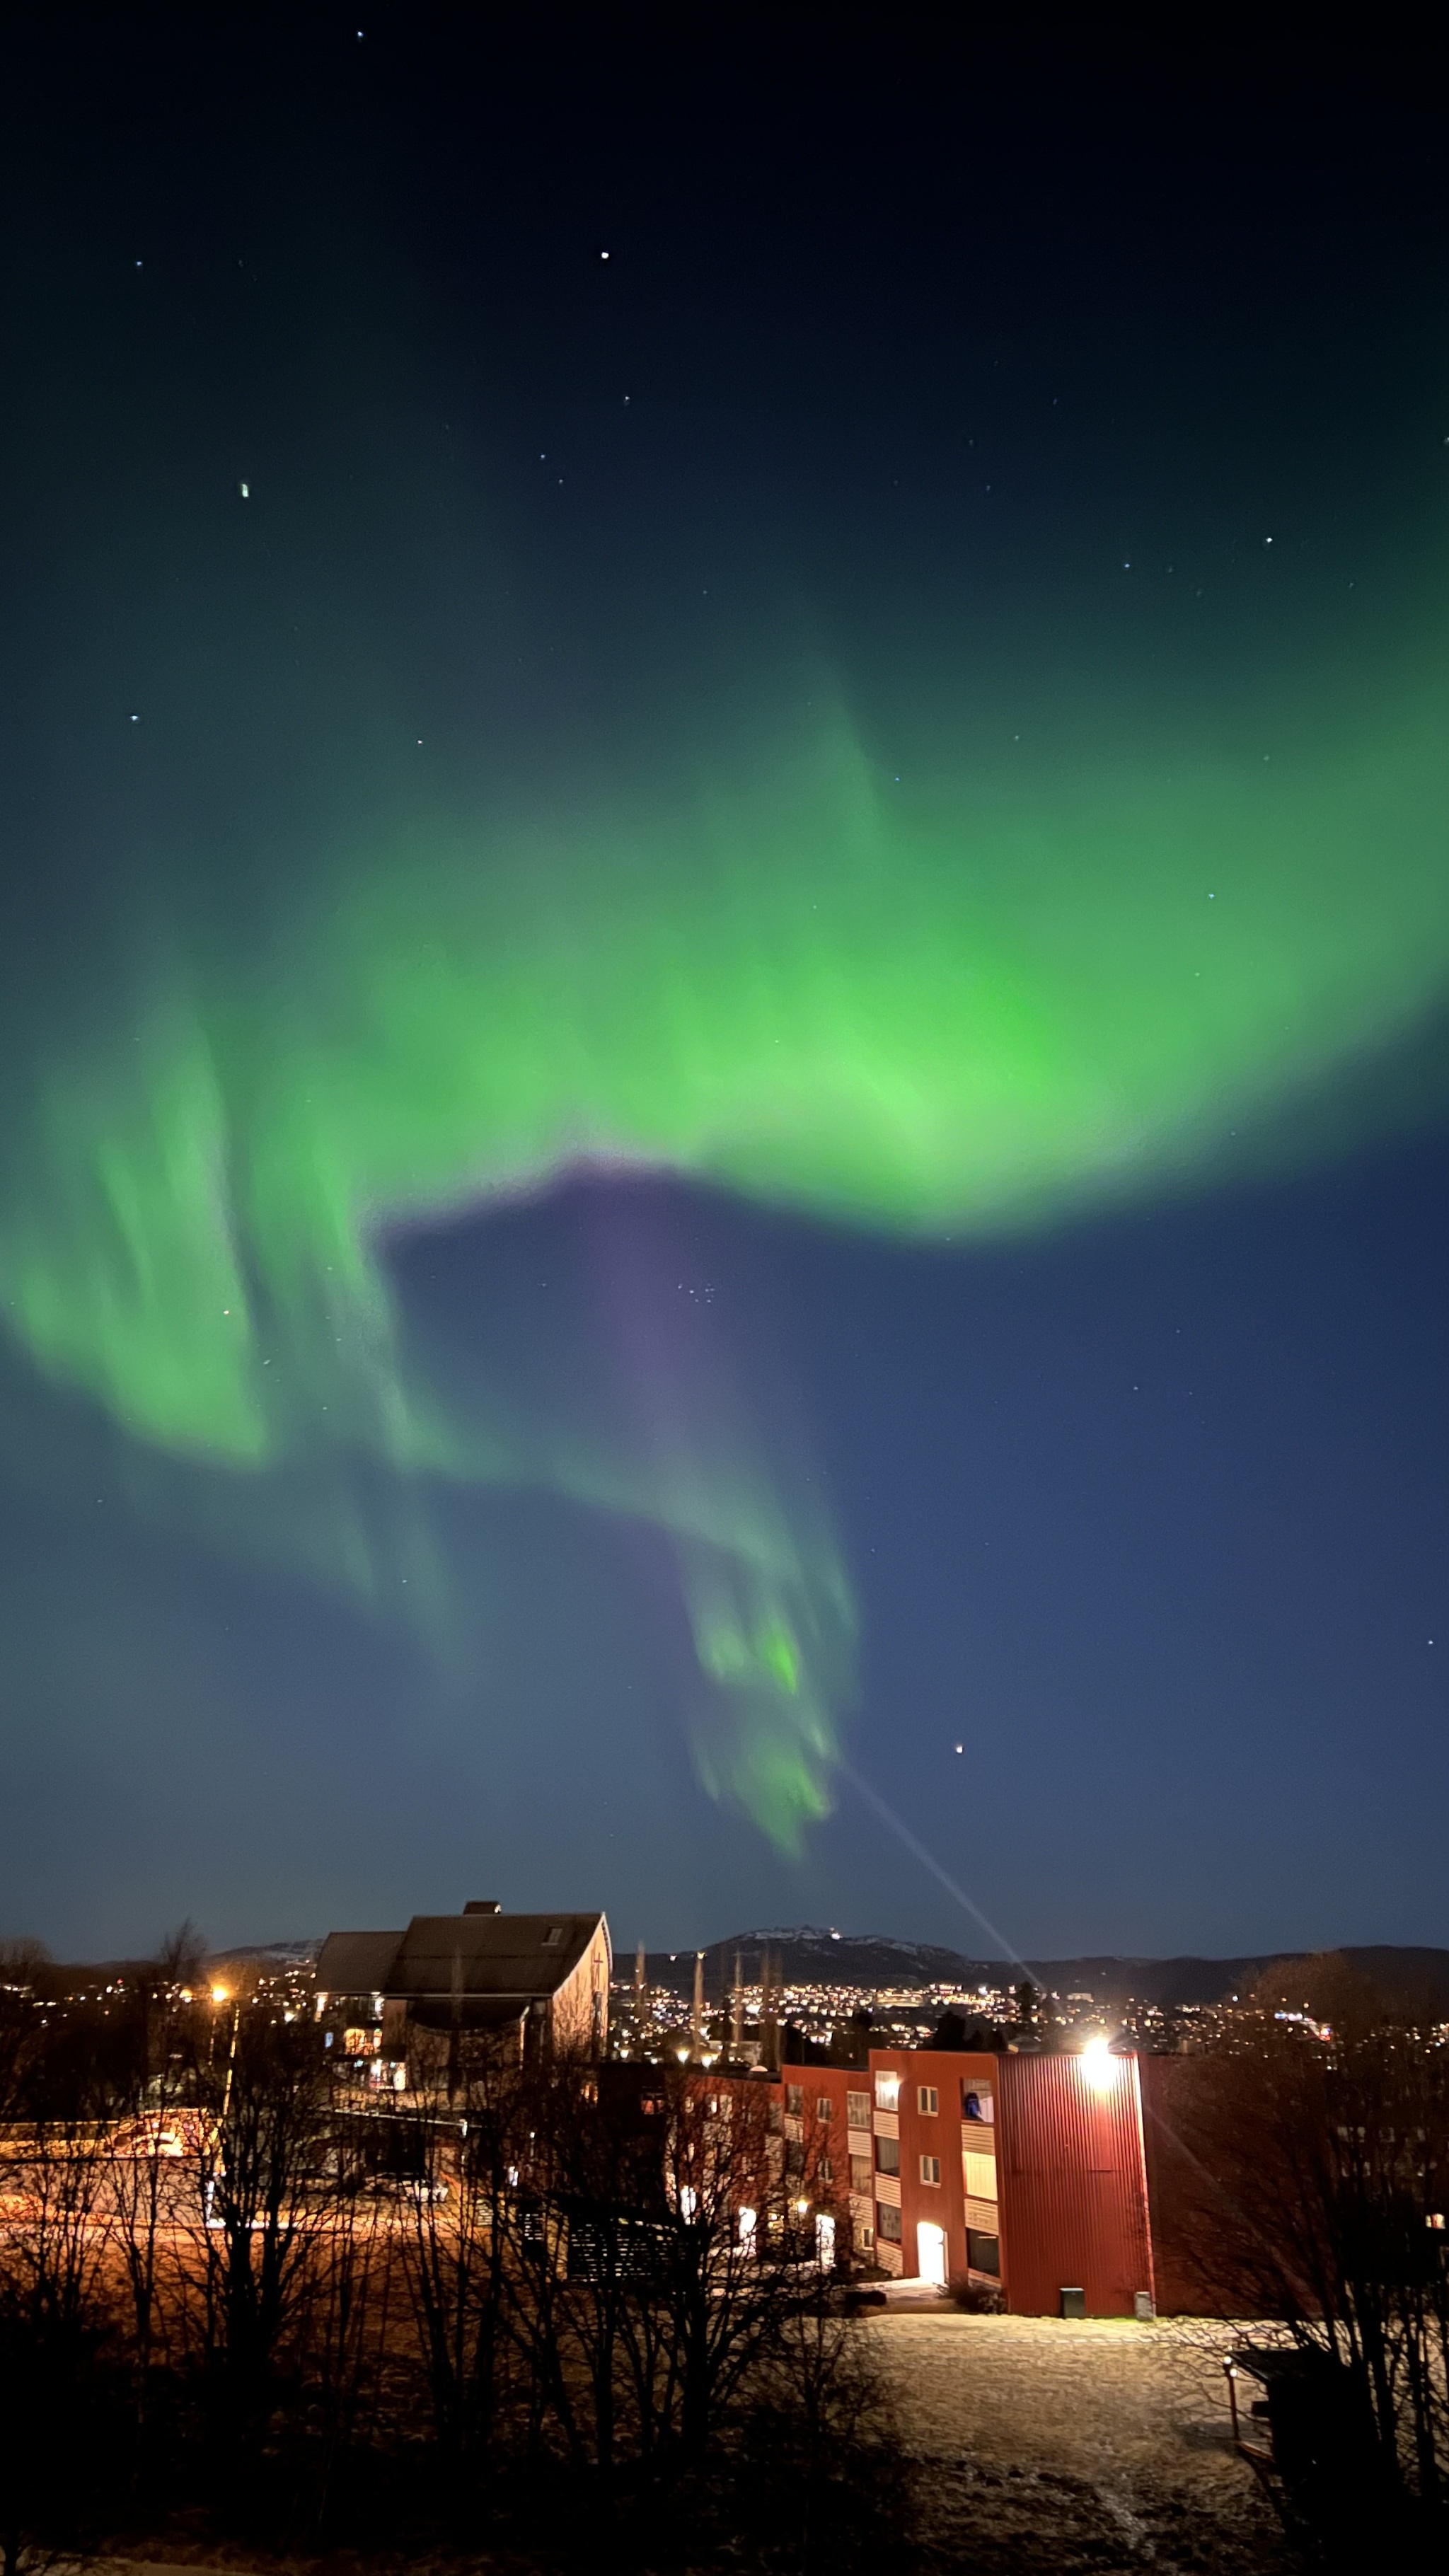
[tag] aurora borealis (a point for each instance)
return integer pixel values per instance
(1012, 1002)
(424, 838)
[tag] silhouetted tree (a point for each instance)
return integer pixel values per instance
(1316, 2136)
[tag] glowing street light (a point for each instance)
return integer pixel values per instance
(1099, 2065)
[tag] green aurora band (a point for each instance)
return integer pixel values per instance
(979, 1000)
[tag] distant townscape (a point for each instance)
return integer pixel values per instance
(820, 1975)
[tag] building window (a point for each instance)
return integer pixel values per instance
(887, 2091)
(928, 2100)
(888, 2155)
(794, 2158)
(977, 2104)
(824, 2108)
(983, 2253)
(931, 2169)
(825, 2170)
(888, 2224)
(553, 1936)
(795, 2098)
(979, 2174)
(857, 2110)
(864, 2235)
(860, 2173)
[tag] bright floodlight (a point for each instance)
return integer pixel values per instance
(1098, 2064)
(219, 1995)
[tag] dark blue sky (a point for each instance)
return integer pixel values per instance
(1146, 1510)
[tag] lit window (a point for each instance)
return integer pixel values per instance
(927, 2100)
(860, 2173)
(978, 2173)
(977, 2104)
(823, 2108)
(795, 2099)
(825, 2171)
(887, 2091)
(930, 2169)
(857, 2110)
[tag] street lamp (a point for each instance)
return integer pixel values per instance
(1099, 2065)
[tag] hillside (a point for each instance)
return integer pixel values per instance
(808, 1954)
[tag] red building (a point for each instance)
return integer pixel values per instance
(1022, 2174)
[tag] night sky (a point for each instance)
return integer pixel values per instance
(724, 1010)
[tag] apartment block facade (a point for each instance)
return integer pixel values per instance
(1021, 2174)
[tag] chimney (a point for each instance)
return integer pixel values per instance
(482, 1905)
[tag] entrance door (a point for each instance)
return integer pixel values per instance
(931, 2252)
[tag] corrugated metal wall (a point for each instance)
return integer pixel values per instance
(1073, 2186)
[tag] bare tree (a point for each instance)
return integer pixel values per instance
(457, 2161)
(1316, 2139)
(155, 2132)
(21, 1964)
(52, 2334)
(263, 2176)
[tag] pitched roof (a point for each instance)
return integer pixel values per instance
(490, 1954)
(512, 1957)
(357, 1963)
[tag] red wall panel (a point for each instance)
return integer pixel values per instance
(1073, 2185)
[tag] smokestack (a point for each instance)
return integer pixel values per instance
(769, 2017)
(698, 2003)
(737, 2015)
